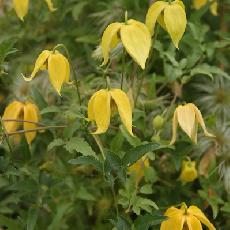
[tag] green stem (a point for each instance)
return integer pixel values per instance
(7, 138)
(123, 69)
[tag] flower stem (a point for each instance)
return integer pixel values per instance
(123, 69)
(6, 135)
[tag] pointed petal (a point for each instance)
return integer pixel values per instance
(193, 223)
(109, 38)
(91, 116)
(67, 77)
(12, 111)
(197, 4)
(172, 211)
(175, 21)
(214, 8)
(195, 211)
(200, 120)
(21, 8)
(186, 119)
(50, 5)
(153, 13)
(57, 71)
(39, 64)
(175, 222)
(124, 107)
(174, 128)
(101, 110)
(161, 21)
(136, 39)
(30, 114)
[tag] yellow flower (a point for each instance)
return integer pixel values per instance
(134, 36)
(21, 7)
(57, 66)
(197, 4)
(191, 217)
(188, 116)
(21, 111)
(99, 109)
(138, 168)
(171, 16)
(188, 172)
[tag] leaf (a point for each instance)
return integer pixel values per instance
(134, 141)
(10, 223)
(83, 194)
(87, 160)
(121, 223)
(50, 109)
(55, 143)
(146, 189)
(6, 48)
(32, 218)
(136, 153)
(143, 203)
(80, 145)
(146, 221)
(201, 69)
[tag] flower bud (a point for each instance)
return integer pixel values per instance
(158, 122)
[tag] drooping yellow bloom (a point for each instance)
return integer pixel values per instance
(57, 66)
(134, 36)
(197, 4)
(21, 7)
(21, 111)
(188, 116)
(99, 109)
(171, 16)
(191, 217)
(188, 171)
(138, 168)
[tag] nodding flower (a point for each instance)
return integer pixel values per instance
(188, 171)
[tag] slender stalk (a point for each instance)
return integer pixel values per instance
(36, 129)
(123, 69)
(114, 198)
(99, 144)
(25, 121)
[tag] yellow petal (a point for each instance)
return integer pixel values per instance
(172, 211)
(197, 4)
(200, 120)
(175, 222)
(101, 110)
(39, 64)
(108, 40)
(175, 21)
(124, 108)
(214, 8)
(188, 172)
(50, 5)
(30, 114)
(193, 223)
(12, 111)
(58, 70)
(174, 128)
(153, 13)
(91, 116)
(136, 39)
(195, 211)
(67, 77)
(160, 20)
(21, 8)
(186, 119)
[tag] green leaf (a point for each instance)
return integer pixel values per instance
(83, 194)
(146, 189)
(50, 109)
(134, 141)
(80, 145)
(55, 143)
(146, 221)
(136, 153)
(11, 224)
(6, 48)
(87, 160)
(121, 223)
(32, 218)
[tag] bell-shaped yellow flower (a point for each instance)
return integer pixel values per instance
(138, 168)
(57, 66)
(21, 8)
(171, 16)
(197, 4)
(134, 36)
(191, 217)
(188, 171)
(188, 116)
(99, 109)
(21, 111)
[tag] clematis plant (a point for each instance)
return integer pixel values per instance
(100, 109)
(171, 16)
(197, 4)
(191, 217)
(26, 111)
(21, 7)
(134, 36)
(188, 116)
(57, 65)
(188, 171)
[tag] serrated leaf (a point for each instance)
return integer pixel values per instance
(55, 143)
(87, 160)
(136, 153)
(80, 145)
(146, 189)
(146, 221)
